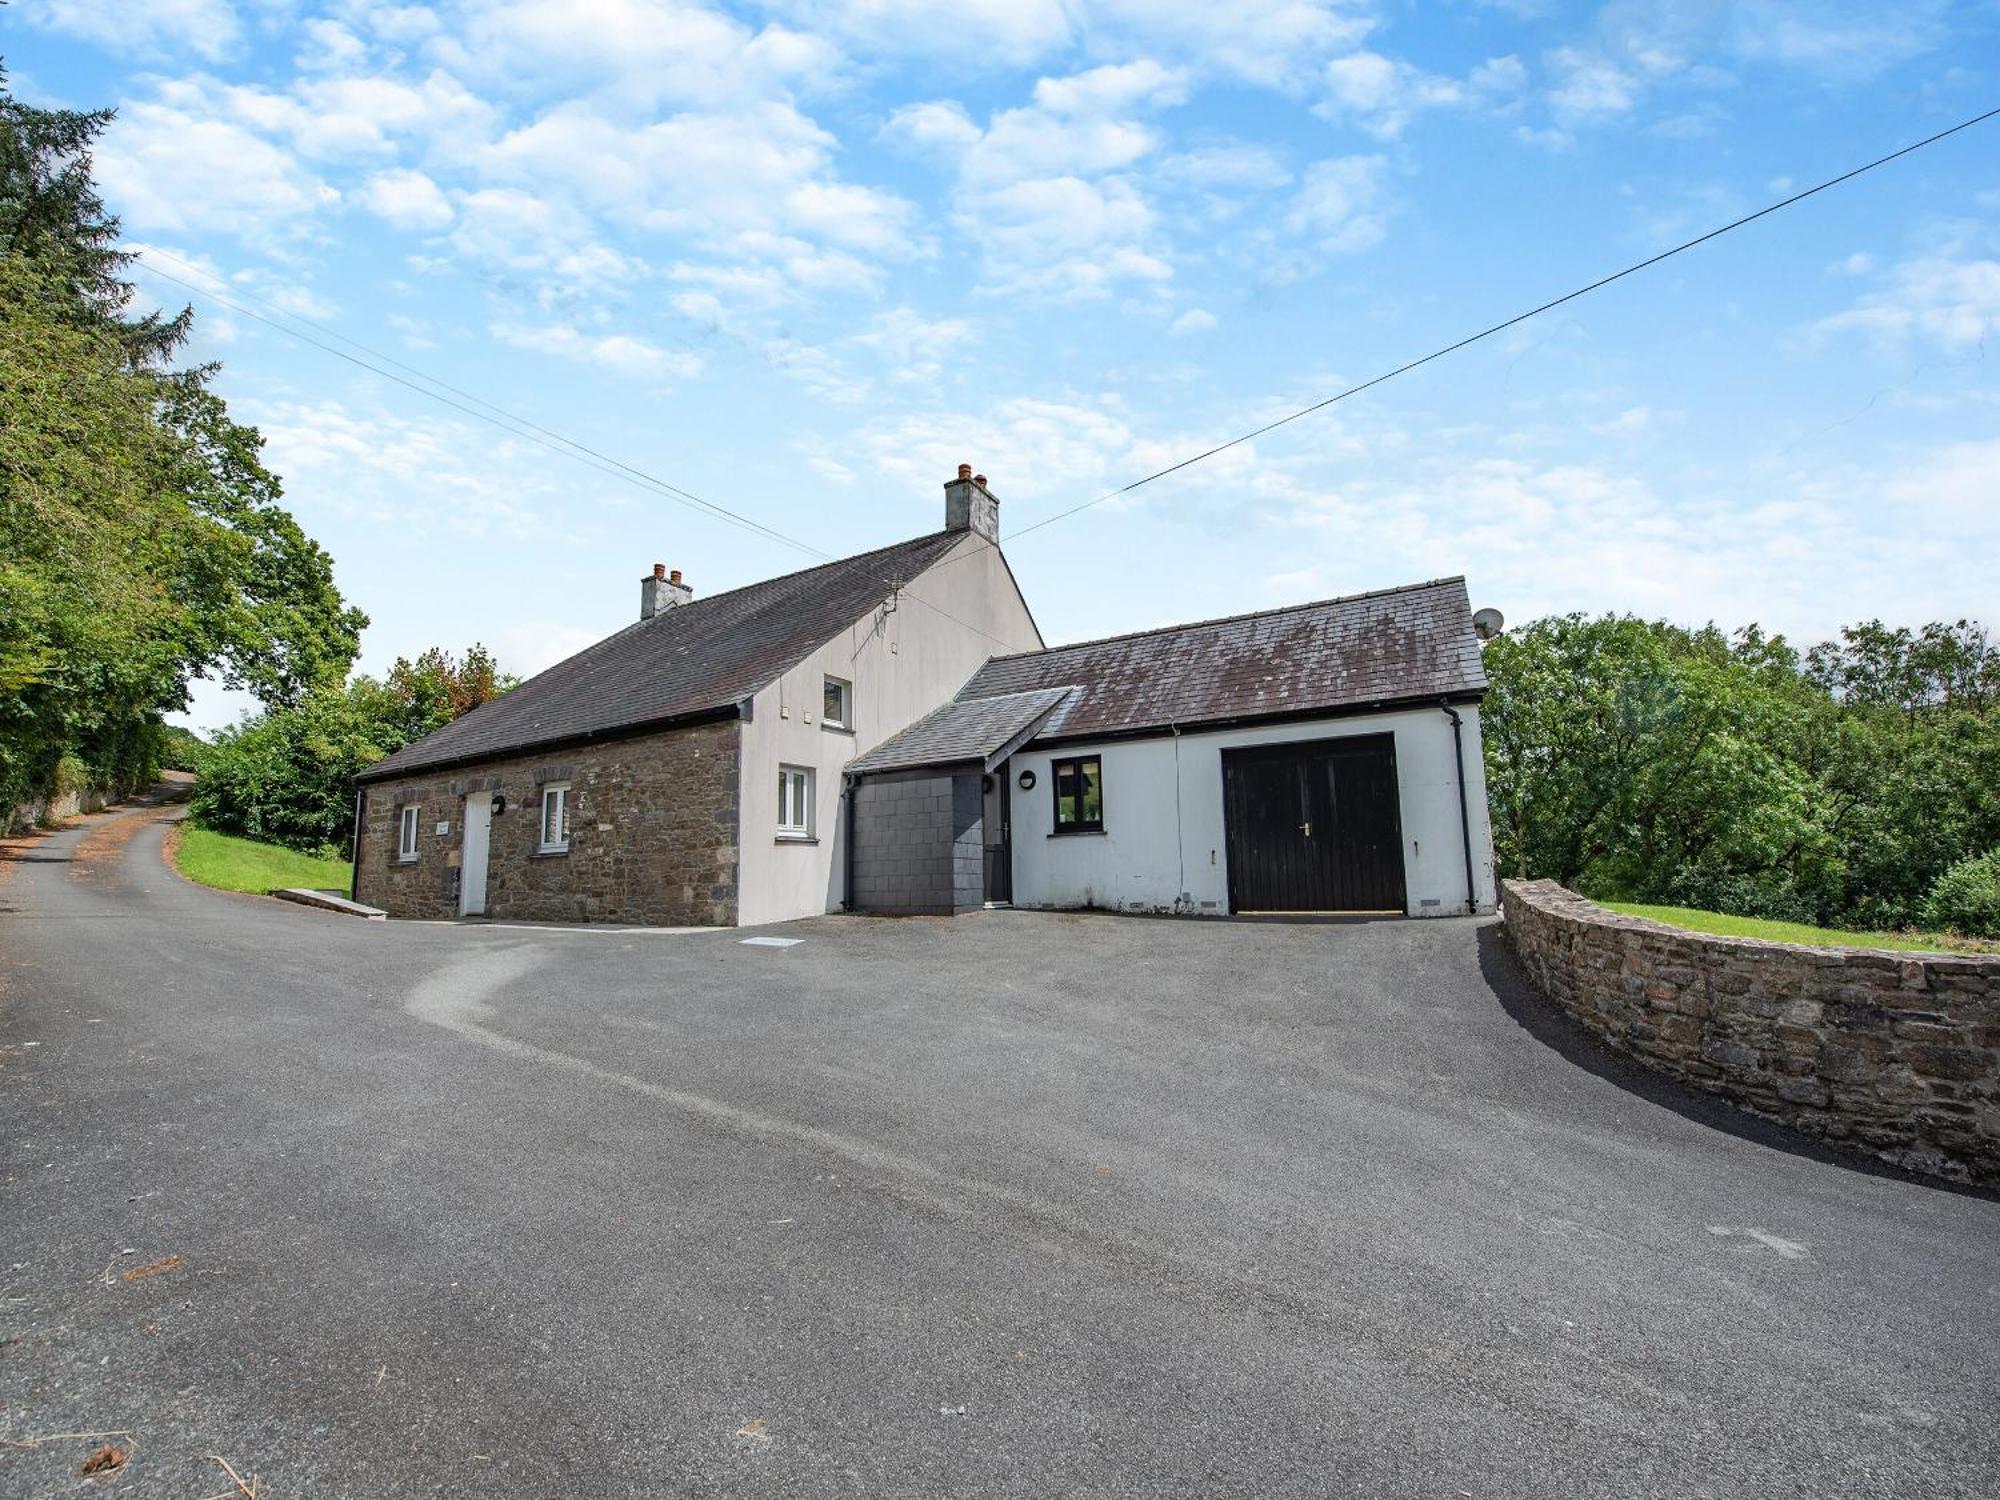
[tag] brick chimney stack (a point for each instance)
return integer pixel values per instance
(660, 591)
(970, 506)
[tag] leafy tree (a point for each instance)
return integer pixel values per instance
(50, 213)
(142, 542)
(286, 775)
(1641, 761)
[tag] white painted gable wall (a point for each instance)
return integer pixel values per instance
(1163, 818)
(903, 663)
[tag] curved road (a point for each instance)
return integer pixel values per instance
(1020, 1204)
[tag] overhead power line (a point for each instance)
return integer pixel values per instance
(1502, 327)
(513, 423)
(496, 416)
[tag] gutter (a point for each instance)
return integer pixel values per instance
(1163, 730)
(1464, 814)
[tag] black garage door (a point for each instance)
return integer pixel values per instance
(1314, 826)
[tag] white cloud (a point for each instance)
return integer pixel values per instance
(1045, 192)
(1036, 450)
(404, 471)
(1848, 38)
(764, 169)
(340, 118)
(621, 354)
(1948, 301)
(1589, 86)
(939, 123)
(329, 47)
(1194, 320)
(163, 168)
(407, 199)
(1008, 31)
(1340, 203)
(912, 346)
(1382, 93)
(208, 28)
(638, 52)
(1234, 166)
(1276, 43)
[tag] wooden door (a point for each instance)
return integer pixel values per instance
(1314, 826)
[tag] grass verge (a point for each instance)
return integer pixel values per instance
(1724, 925)
(233, 864)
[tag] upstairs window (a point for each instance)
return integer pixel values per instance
(406, 830)
(555, 817)
(837, 711)
(1079, 784)
(795, 785)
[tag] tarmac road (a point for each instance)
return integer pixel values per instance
(1018, 1204)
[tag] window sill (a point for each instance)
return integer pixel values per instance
(406, 859)
(845, 729)
(795, 838)
(550, 853)
(1078, 833)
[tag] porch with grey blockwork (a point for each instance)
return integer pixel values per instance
(918, 843)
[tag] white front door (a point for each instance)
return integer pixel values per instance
(472, 857)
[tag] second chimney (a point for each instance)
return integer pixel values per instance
(970, 506)
(660, 591)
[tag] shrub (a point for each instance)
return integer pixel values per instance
(1966, 897)
(181, 749)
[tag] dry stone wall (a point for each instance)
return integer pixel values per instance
(1897, 1054)
(653, 834)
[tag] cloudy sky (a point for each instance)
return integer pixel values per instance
(801, 258)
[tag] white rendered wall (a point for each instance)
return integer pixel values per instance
(903, 663)
(1164, 848)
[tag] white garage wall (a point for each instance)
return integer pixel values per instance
(1163, 847)
(903, 663)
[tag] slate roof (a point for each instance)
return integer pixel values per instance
(963, 730)
(1409, 643)
(694, 659)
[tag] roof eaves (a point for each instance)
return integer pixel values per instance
(381, 771)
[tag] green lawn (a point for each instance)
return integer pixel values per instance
(1796, 932)
(233, 864)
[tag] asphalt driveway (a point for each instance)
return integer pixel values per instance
(1017, 1204)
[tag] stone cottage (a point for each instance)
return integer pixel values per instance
(688, 769)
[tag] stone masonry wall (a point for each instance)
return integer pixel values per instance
(653, 834)
(1897, 1054)
(919, 844)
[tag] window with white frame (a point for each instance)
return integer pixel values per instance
(795, 798)
(406, 830)
(555, 817)
(837, 709)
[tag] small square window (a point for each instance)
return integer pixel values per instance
(795, 787)
(406, 832)
(1079, 785)
(837, 708)
(555, 817)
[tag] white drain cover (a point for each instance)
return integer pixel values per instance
(772, 942)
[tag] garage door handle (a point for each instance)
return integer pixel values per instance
(1306, 829)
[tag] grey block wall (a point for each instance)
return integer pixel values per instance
(919, 843)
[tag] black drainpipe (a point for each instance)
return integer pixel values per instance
(354, 859)
(848, 784)
(1464, 814)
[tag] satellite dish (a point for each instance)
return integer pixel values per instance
(1487, 623)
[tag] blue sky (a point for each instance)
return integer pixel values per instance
(803, 258)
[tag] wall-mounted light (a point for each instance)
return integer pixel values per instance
(499, 803)
(1027, 781)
